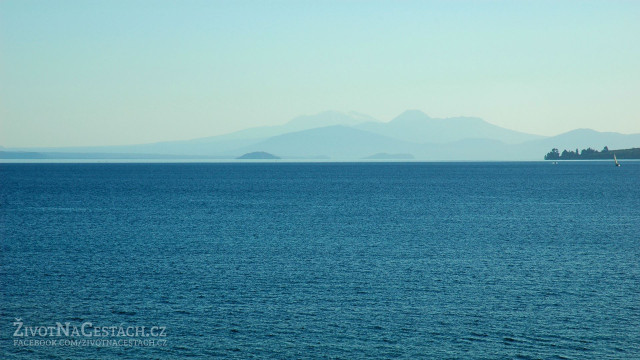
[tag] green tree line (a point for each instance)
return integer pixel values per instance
(591, 154)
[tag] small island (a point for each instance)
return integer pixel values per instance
(387, 156)
(258, 155)
(591, 154)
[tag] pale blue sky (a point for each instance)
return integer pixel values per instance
(123, 72)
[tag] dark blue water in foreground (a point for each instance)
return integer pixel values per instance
(350, 261)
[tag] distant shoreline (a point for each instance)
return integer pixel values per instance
(283, 161)
(591, 154)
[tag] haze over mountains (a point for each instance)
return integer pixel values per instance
(353, 136)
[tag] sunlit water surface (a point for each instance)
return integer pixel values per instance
(335, 260)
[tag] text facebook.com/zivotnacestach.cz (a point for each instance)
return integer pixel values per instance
(87, 334)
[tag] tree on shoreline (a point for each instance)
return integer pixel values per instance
(553, 155)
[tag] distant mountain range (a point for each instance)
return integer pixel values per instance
(354, 136)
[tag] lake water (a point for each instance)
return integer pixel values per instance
(321, 260)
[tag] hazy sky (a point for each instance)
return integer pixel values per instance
(121, 72)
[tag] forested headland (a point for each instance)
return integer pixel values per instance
(591, 154)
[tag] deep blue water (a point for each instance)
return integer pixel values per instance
(335, 260)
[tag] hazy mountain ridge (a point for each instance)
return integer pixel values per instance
(337, 142)
(337, 135)
(416, 126)
(299, 123)
(584, 138)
